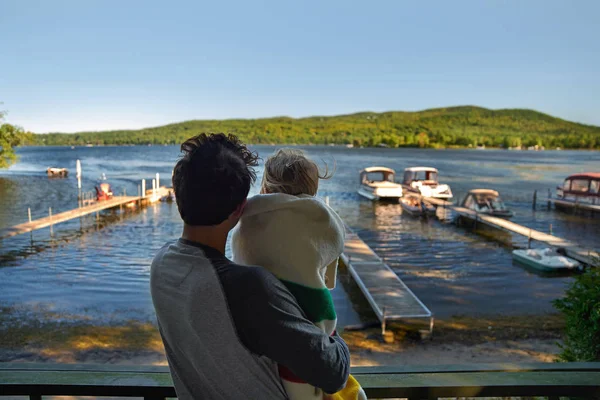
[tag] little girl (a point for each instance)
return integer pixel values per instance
(288, 231)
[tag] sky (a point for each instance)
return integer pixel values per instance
(76, 65)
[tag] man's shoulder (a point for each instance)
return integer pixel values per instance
(248, 280)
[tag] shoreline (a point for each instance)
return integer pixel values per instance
(457, 340)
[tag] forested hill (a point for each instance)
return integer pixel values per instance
(442, 127)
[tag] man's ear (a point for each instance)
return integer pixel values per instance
(240, 209)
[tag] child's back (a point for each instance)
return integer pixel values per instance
(297, 237)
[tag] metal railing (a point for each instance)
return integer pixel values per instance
(580, 380)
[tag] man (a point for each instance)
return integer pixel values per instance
(225, 326)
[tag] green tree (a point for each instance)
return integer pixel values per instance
(10, 136)
(581, 308)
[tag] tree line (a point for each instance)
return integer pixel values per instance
(465, 126)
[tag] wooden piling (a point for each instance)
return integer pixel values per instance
(29, 213)
(534, 199)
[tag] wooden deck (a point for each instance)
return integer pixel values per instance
(66, 216)
(573, 250)
(389, 297)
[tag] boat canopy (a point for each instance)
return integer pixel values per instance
(426, 175)
(585, 175)
(373, 174)
(489, 192)
(419, 169)
(378, 169)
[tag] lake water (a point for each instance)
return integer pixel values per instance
(99, 270)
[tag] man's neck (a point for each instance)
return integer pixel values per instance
(212, 236)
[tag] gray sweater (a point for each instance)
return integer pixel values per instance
(225, 326)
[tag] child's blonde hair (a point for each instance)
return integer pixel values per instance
(290, 171)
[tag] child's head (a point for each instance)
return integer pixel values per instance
(290, 171)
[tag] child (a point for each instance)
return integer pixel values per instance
(299, 239)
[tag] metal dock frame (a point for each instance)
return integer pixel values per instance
(388, 295)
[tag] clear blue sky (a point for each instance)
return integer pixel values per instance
(102, 64)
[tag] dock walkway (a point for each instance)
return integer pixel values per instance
(67, 215)
(389, 297)
(573, 250)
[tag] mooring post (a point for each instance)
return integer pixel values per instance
(143, 188)
(550, 229)
(78, 168)
(153, 189)
(157, 180)
(29, 214)
(50, 215)
(534, 198)
(549, 199)
(529, 240)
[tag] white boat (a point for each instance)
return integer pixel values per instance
(424, 181)
(547, 260)
(488, 202)
(57, 172)
(416, 206)
(377, 183)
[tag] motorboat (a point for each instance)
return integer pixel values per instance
(416, 206)
(488, 202)
(424, 181)
(377, 183)
(57, 172)
(547, 260)
(579, 191)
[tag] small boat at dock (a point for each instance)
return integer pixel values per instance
(424, 181)
(416, 206)
(547, 260)
(488, 202)
(57, 172)
(377, 183)
(579, 191)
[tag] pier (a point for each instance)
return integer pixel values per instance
(389, 297)
(573, 250)
(151, 196)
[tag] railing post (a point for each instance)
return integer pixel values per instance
(50, 215)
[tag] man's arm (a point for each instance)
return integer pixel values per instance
(270, 323)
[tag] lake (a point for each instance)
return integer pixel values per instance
(98, 270)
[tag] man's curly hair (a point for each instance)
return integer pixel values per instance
(212, 177)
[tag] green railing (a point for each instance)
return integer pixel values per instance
(580, 380)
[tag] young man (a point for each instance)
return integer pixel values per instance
(225, 326)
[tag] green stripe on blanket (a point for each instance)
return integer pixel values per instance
(317, 304)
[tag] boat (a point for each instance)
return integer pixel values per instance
(103, 189)
(488, 202)
(57, 172)
(377, 183)
(424, 181)
(547, 260)
(416, 206)
(579, 191)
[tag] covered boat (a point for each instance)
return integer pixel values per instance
(377, 183)
(579, 191)
(486, 201)
(547, 260)
(57, 172)
(416, 206)
(424, 181)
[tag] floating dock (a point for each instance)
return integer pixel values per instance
(152, 196)
(573, 250)
(389, 297)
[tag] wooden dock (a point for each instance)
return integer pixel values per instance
(389, 297)
(573, 250)
(152, 196)
(66, 216)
